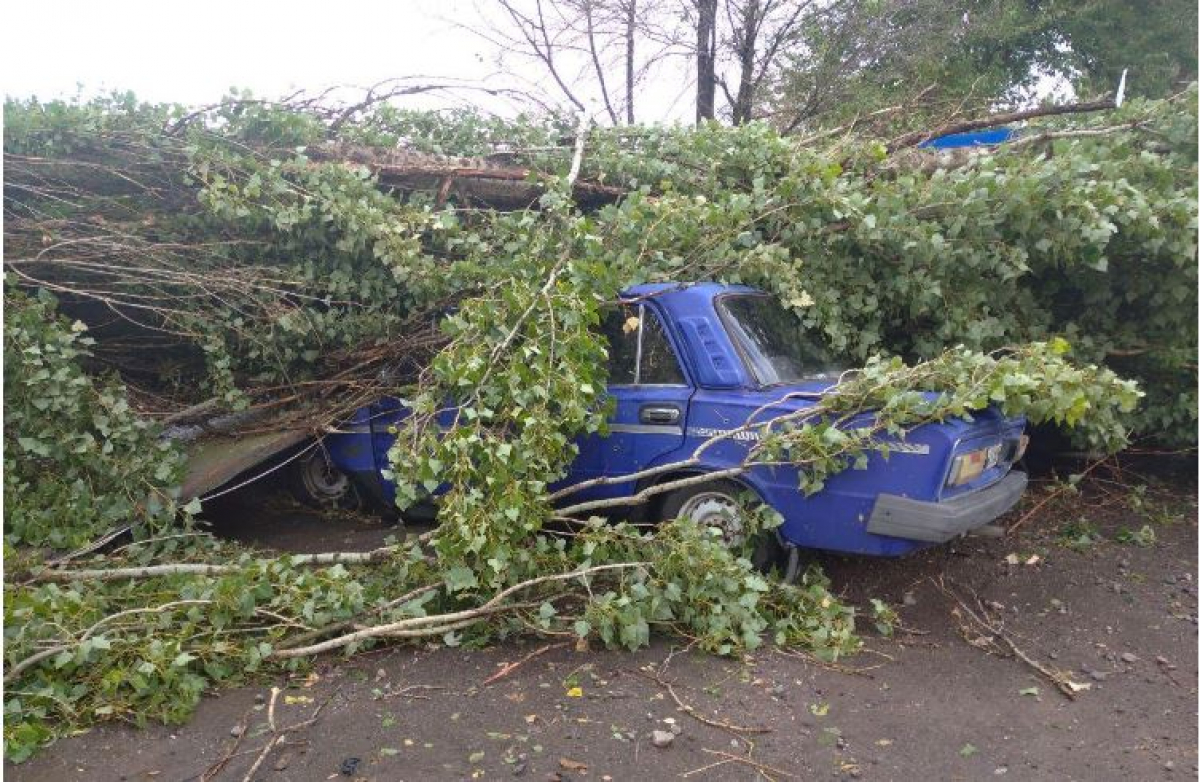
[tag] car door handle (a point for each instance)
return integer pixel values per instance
(659, 414)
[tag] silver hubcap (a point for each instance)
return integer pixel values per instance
(713, 509)
(322, 480)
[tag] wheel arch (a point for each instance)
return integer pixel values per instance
(650, 511)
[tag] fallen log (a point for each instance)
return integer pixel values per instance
(475, 181)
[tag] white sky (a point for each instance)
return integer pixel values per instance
(194, 52)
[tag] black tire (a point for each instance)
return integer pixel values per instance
(719, 502)
(314, 481)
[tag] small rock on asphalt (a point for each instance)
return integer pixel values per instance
(662, 738)
(237, 730)
(1129, 657)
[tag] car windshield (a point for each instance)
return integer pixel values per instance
(774, 344)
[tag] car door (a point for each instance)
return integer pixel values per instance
(649, 388)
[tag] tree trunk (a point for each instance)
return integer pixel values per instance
(630, 29)
(743, 104)
(706, 56)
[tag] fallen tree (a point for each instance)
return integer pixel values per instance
(246, 260)
(256, 254)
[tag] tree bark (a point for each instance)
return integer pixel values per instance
(706, 60)
(746, 44)
(496, 185)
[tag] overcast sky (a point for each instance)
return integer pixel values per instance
(194, 52)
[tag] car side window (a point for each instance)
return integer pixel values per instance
(624, 327)
(659, 364)
(622, 344)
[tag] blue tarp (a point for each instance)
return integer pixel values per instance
(982, 138)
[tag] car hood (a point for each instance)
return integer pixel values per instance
(783, 399)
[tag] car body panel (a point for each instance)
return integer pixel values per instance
(719, 396)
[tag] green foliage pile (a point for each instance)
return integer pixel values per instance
(78, 461)
(245, 264)
(146, 650)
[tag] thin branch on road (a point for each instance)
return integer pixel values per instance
(1061, 681)
(691, 711)
(762, 768)
(510, 667)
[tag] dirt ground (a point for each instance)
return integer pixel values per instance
(1110, 606)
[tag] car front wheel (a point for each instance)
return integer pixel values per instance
(717, 505)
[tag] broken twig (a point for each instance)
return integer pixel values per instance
(510, 667)
(279, 735)
(754, 764)
(1059, 679)
(739, 730)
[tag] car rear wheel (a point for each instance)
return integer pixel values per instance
(717, 505)
(316, 482)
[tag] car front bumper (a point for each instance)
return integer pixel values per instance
(937, 522)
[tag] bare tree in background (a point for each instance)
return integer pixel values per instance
(631, 20)
(603, 52)
(706, 59)
(759, 31)
(742, 42)
(596, 53)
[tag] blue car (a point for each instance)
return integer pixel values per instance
(692, 362)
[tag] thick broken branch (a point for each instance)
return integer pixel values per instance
(1070, 134)
(206, 569)
(480, 180)
(994, 120)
